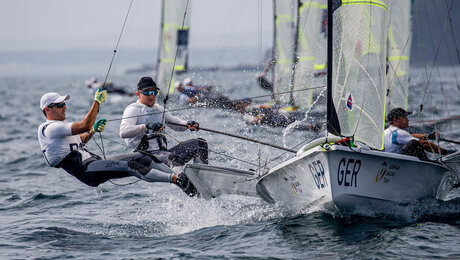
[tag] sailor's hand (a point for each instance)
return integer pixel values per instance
(432, 136)
(193, 126)
(447, 151)
(154, 126)
(99, 125)
(100, 95)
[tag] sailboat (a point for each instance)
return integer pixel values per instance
(348, 168)
(173, 47)
(298, 57)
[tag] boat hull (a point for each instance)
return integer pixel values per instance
(212, 181)
(350, 179)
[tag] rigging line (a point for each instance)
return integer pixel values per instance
(204, 105)
(240, 137)
(432, 66)
(225, 155)
(116, 46)
(125, 184)
(231, 149)
(102, 144)
(165, 100)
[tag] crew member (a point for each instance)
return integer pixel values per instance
(146, 116)
(397, 140)
(62, 146)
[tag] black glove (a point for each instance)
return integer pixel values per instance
(432, 136)
(184, 183)
(193, 126)
(450, 151)
(154, 126)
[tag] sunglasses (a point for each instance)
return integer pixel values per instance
(58, 105)
(151, 92)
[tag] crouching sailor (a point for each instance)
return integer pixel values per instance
(142, 127)
(62, 146)
(398, 140)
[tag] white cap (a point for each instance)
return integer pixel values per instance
(50, 98)
(177, 84)
(187, 81)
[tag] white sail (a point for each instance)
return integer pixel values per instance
(399, 45)
(175, 27)
(285, 30)
(359, 66)
(311, 50)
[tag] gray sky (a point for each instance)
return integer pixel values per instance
(96, 24)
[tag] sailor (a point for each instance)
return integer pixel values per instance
(62, 146)
(398, 140)
(263, 83)
(142, 130)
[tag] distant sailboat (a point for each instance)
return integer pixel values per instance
(173, 47)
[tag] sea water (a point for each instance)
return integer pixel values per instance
(47, 214)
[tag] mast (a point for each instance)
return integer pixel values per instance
(160, 43)
(333, 125)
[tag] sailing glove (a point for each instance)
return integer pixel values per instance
(432, 136)
(100, 95)
(193, 126)
(99, 125)
(154, 126)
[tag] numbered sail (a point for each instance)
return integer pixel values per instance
(399, 45)
(311, 50)
(173, 39)
(285, 30)
(359, 66)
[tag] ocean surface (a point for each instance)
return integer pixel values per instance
(47, 214)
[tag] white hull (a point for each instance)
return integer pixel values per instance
(212, 181)
(350, 179)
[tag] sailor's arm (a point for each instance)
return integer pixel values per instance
(85, 125)
(431, 147)
(129, 127)
(419, 136)
(175, 120)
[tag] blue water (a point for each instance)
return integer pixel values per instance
(48, 214)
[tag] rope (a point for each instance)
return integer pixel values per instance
(118, 42)
(241, 160)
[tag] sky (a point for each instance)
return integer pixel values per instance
(35, 25)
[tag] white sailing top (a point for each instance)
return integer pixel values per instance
(395, 138)
(136, 115)
(56, 141)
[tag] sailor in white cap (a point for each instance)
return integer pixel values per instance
(62, 143)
